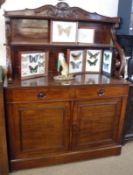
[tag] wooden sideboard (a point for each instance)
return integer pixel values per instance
(58, 124)
(56, 121)
(3, 142)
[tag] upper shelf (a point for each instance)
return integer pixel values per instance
(67, 45)
(47, 32)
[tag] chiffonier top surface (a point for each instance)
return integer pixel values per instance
(79, 80)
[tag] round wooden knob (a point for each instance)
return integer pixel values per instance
(41, 95)
(101, 92)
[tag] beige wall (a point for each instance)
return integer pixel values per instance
(103, 7)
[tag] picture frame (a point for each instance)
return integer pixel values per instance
(75, 61)
(93, 60)
(86, 35)
(107, 62)
(63, 31)
(33, 64)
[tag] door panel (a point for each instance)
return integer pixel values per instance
(95, 122)
(38, 129)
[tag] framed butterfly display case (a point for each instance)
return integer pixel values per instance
(33, 64)
(75, 61)
(107, 62)
(86, 35)
(63, 31)
(93, 61)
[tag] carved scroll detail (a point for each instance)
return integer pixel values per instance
(62, 10)
(120, 61)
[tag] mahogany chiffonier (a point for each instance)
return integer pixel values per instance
(52, 121)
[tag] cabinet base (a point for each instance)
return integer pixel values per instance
(64, 158)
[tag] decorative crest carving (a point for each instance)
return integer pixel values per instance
(63, 11)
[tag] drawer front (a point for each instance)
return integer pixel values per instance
(35, 94)
(101, 91)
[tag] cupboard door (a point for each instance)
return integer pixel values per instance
(38, 129)
(95, 123)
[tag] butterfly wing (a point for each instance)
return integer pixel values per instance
(59, 29)
(95, 62)
(91, 55)
(96, 54)
(78, 64)
(73, 64)
(92, 63)
(33, 58)
(106, 56)
(105, 66)
(68, 30)
(62, 30)
(76, 56)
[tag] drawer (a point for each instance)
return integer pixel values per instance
(101, 91)
(35, 94)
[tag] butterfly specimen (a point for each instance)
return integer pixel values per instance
(33, 58)
(91, 55)
(62, 30)
(92, 63)
(105, 66)
(106, 56)
(75, 65)
(76, 56)
(33, 69)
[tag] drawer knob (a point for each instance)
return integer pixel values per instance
(101, 92)
(41, 95)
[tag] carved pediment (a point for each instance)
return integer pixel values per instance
(62, 11)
